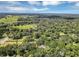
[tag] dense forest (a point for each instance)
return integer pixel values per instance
(39, 36)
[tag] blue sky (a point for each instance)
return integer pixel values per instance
(39, 7)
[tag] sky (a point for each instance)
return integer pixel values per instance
(69, 7)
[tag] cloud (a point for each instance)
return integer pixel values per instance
(14, 9)
(41, 9)
(75, 6)
(3, 8)
(17, 8)
(34, 2)
(22, 9)
(25, 9)
(72, 1)
(38, 6)
(13, 2)
(45, 3)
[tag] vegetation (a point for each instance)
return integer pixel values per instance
(33, 26)
(39, 36)
(9, 19)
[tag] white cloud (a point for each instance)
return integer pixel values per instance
(72, 1)
(17, 8)
(12, 3)
(14, 8)
(25, 9)
(41, 9)
(45, 3)
(77, 4)
(34, 2)
(22, 9)
(9, 8)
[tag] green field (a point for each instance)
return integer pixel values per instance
(9, 19)
(31, 26)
